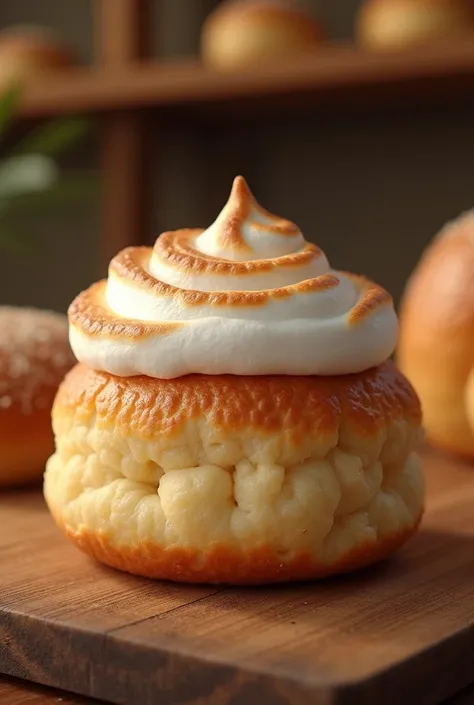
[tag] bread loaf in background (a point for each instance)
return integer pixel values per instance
(34, 357)
(436, 346)
(397, 24)
(27, 52)
(242, 33)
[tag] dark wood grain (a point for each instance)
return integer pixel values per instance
(402, 631)
(337, 72)
(466, 697)
(122, 29)
(16, 692)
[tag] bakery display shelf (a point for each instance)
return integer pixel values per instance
(339, 68)
(398, 632)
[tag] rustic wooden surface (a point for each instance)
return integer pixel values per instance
(338, 71)
(16, 692)
(399, 632)
(464, 698)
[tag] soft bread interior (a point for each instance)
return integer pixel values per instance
(134, 492)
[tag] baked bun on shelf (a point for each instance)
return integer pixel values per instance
(398, 24)
(29, 52)
(242, 33)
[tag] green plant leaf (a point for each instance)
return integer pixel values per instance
(69, 192)
(19, 213)
(28, 173)
(55, 137)
(9, 102)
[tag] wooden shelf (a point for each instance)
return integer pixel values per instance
(336, 70)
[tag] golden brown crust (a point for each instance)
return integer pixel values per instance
(34, 357)
(239, 34)
(266, 13)
(295, 406)
(436, 332)
(441, 292)
(224, 564)
(236, 479)
(26, 442)
(35, 47)
(451, 6)
(398, 23)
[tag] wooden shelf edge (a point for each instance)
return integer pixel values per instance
(187, 82)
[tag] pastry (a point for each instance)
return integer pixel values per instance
(396, 24)
(233, 417)
(34, 357)
(26, 52)
(436, 349)
(242, 33)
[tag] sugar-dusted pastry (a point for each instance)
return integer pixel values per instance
(242, 33)
(34, 357)
(234, 417)
(436, 348)
(397, 24)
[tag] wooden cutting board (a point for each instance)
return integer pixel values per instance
(16, 692)
(399, 632)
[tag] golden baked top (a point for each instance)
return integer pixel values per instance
(439, 299)
(293, 407)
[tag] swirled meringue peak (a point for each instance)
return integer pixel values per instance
(247, 296)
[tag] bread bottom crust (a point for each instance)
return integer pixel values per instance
(226, 565)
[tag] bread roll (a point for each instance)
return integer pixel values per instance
(233, 417)
(436, 346)
(34, 357)
(242, 33)
(396, 24)
(26, 52)
(233, 479)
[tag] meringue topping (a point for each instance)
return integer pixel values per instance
(248, 295)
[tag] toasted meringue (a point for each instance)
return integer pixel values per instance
(247, 296)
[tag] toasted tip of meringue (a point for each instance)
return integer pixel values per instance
(242, 199)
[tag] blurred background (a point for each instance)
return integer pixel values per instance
(371, 184)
